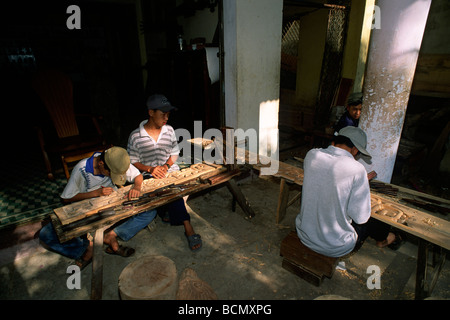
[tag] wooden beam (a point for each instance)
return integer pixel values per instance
(97, 265)
(240, 198)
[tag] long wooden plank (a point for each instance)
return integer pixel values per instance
(82, 209)
(418, 223)
(65, 235)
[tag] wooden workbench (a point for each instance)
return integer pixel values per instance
(199, 177)
(430, 227)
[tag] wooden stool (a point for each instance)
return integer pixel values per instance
(304, 262)
(149, 278)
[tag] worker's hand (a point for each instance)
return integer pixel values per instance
(105, 191)
(371, 175)
(134, 193)
(159, 172)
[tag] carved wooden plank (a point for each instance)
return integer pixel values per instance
(416, 222)
(79, 210)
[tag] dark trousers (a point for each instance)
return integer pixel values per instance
(372, 228)
(177, 212)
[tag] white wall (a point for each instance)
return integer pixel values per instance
(202, 25)
(252, 41)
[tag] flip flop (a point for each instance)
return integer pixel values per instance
(123, 251)
(194, 240)
(81, 263)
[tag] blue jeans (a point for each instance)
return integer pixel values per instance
(76, 247)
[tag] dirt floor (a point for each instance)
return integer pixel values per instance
(240, 258)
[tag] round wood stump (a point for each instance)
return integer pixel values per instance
(149, 278)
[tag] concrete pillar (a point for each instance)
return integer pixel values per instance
(252, 36)
(393, 54)
(252, 45)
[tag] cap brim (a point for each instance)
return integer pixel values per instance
(167, 109)
(118, 179)
(362, 150)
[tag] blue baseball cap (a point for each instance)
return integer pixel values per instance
(160, 102)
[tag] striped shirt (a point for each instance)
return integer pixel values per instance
(144, 149)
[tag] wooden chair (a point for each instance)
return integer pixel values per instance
(55, 89)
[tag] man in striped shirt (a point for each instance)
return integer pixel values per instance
(153, 148)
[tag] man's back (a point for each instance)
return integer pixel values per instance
(335, 192)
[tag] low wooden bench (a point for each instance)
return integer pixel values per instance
(304, 262)
(289, 175)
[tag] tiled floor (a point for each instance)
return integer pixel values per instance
(25, 192)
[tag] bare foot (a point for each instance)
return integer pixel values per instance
(110, 238)
(390, 238)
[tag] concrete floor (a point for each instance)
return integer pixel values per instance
(240, 258)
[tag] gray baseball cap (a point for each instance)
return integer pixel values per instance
(159, 102)
(357, 137)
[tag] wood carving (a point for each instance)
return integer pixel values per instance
(85, 208)
(388, 210)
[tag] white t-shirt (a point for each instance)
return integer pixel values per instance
(82, 178)
(335, 192)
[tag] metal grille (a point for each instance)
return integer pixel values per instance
(332, 60)
(289, 45)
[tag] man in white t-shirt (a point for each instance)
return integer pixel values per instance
(335, 212)
(94, 177)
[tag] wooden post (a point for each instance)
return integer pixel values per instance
(240, 198)
(97, 265)
(282, 200)
(421, 271)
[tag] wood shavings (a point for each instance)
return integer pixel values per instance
(430, 222)
(346, 274)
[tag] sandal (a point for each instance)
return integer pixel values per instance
(194, 240)
(123, 251)
(81, 263)
(397, 242)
